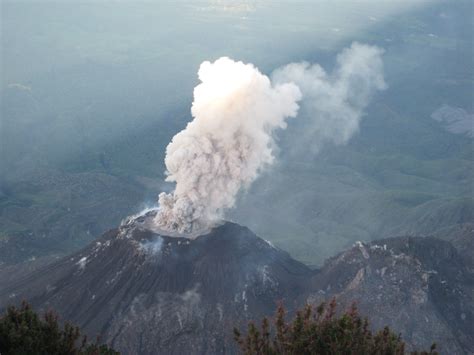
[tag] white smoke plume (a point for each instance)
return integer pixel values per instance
(226, 145)
(333, 104)
(235, 111)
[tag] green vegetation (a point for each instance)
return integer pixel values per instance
(22, 331)
(322, 332)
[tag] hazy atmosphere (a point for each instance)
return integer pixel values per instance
(92, 93)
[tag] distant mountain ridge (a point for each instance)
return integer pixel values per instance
(147, 293)
(421, 286)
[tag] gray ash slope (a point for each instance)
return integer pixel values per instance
(147, 293)
(421, 287)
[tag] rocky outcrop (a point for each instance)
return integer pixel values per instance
(418, 286)
(146, 293)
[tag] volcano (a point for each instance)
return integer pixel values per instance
(145, 292)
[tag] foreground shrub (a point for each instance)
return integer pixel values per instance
(320, 331)
(23, 331)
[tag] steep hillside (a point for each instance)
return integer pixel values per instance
(146, 292)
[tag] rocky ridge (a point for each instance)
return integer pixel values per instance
(145, 292)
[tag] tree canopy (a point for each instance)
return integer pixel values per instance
(320, 331)
(23, 331)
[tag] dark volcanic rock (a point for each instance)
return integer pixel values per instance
(463, 240)
(148, 293)
(420, 287)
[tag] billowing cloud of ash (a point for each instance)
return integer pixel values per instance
(333, 104)
(235, 111)
(226, 145)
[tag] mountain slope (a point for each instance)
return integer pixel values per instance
(145, 292)
(419, 286)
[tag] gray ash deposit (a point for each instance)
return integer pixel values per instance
(146, 292)
(149, 293)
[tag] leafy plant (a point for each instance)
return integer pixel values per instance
(320, 331)
(23, 331)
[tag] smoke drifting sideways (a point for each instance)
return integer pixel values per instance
(333, 104)
(236, 110)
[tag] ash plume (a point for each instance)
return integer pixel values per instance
(333, 104)
(226, 145)
(235, 111)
